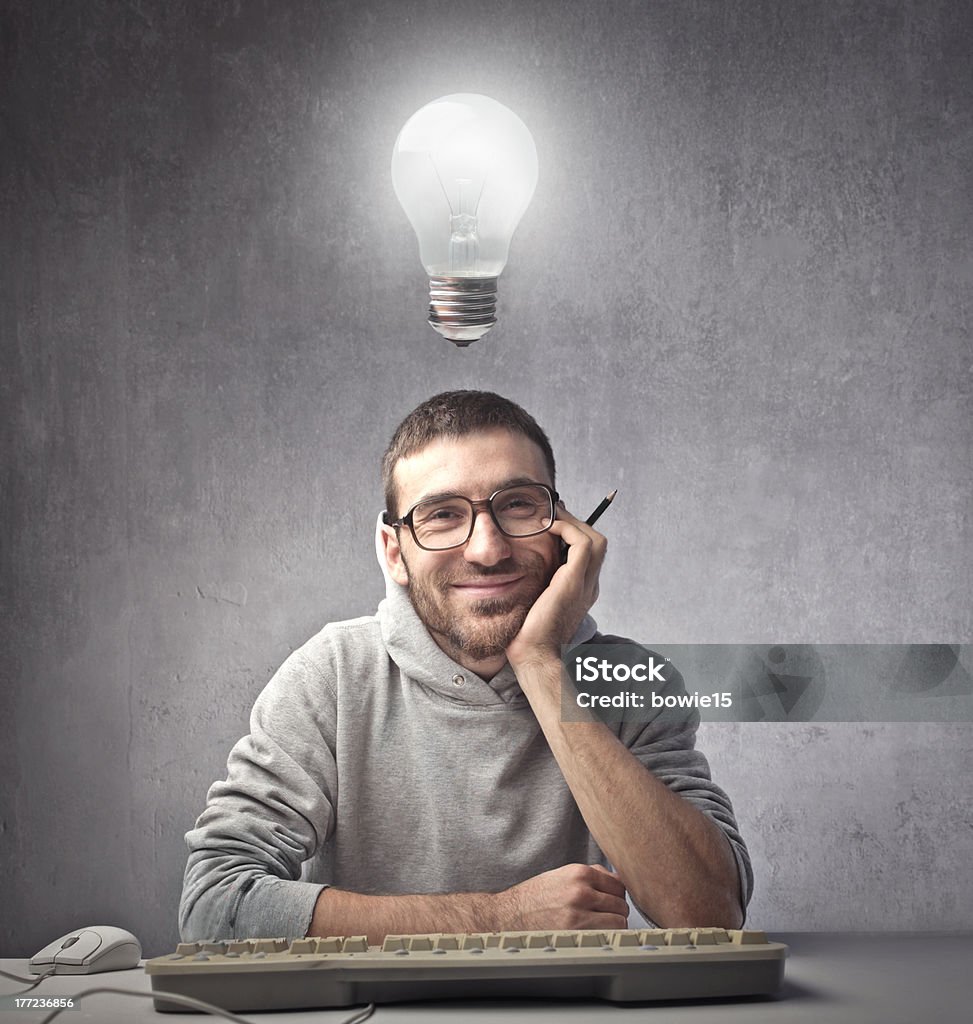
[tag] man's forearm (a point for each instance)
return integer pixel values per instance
(339, 912)
(676, 863)
(564, 898)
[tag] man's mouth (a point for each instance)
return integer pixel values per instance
(488, 586)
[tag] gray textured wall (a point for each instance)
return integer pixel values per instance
(742, 295)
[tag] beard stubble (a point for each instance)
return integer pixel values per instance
(486, 627)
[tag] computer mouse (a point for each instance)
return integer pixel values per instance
(91, 950)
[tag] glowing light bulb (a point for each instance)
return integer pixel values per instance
(464, 169)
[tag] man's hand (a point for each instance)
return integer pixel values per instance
(567, 898)
(557, 613)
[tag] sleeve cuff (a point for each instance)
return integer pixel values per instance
(277, 908)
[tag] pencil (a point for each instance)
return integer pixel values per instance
(596, 515)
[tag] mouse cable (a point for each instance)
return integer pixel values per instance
(34, 981)
(195, 1004)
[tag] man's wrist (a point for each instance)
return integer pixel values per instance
(539, 667)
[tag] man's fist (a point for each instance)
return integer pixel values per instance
(567, 898)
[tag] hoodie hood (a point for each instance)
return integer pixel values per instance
(419, 656)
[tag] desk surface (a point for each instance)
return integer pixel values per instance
(829, 979)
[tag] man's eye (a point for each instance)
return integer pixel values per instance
(519, 503)
(440, 515)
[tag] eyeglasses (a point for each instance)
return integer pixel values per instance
(522, 510)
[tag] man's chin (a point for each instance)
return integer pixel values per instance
(497, 607)
(492, 629)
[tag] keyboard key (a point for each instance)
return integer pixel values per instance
(748, 938)
(269, 945)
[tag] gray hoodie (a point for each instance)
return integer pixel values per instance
(377, 764)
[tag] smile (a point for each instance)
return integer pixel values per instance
(488, 586)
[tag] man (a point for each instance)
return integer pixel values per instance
(415, 762)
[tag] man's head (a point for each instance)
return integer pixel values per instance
(455, 414)
(473, 598)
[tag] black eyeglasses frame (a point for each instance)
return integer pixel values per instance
(477, 506)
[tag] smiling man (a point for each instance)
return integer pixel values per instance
(411, 772)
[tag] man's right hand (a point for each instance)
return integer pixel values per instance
(570, 897)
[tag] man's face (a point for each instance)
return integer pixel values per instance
(473, 599)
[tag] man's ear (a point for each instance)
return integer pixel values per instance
(393, 556)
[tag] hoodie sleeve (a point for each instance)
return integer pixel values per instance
(272, 813)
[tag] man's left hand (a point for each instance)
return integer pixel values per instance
(557, 613)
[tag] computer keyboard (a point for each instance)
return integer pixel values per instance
(620, 966)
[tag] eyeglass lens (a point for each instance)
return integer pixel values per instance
(521, 511)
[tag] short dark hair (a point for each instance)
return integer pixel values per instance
(457, 414)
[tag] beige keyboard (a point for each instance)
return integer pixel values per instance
(620, 966)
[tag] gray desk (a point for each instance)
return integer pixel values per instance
(829, 979)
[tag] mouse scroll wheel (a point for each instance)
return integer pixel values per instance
(69, 941)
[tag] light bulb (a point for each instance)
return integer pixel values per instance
(464, 169)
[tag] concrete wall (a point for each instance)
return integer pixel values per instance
(741, 295)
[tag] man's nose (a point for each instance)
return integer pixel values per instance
(487, 545)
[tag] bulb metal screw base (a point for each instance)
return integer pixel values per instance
(462, 309)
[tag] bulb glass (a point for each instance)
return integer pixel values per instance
(464, 168)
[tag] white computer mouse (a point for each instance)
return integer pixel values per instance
(91, 950)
